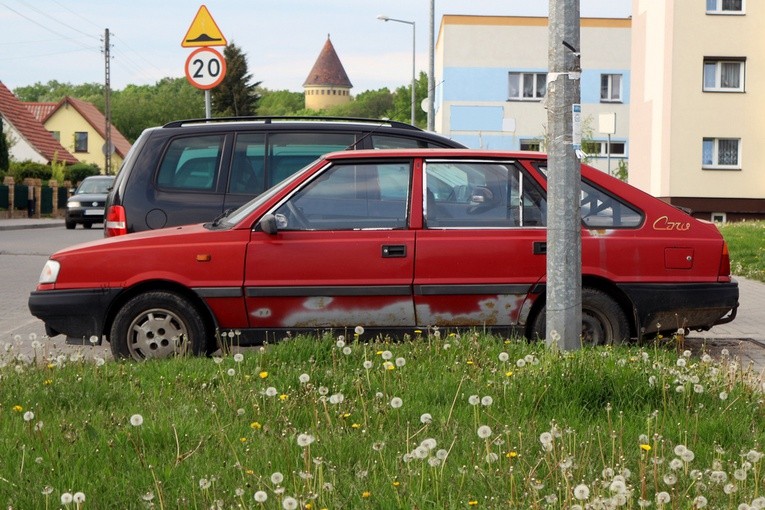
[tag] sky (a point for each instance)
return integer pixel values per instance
(62, 40)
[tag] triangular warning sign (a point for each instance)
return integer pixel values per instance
(203, 31)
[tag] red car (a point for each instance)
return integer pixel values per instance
(391, 240)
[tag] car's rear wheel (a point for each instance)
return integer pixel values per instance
(156, 325)
(70, 225)
(87, 225)
(603, 320)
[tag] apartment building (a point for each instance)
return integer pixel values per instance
(491, 77)
(696, 128)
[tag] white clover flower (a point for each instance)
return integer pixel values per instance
(487, 401)
(304, 440)
(271, 391)
(662, 498)
(367, 364)
(359, 330)
(304, 378)
(290, 503)
(66, 498)
(277, 478)
(29, 416)
(261, 496)
(387, 355)
(503, 356)
(400, 362)
(238, 357)
(396, 402)
(581, 492)
(426, 418)
(484, 431)
(78, 498)
(474, 400)
(136, 420)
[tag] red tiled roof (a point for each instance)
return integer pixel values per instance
(40, 110)
(96, 119)
(31, 129)
(328, 70)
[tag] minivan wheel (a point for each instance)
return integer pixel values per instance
(156, 325)
(70, 225)
(603, 320)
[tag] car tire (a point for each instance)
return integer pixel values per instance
(156, 325)
(603, 320)
(70, 225)
(87, 225)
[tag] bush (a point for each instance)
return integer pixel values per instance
(29, 169)
(76, 173)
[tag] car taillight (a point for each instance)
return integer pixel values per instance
(724, 272)
(116, 223)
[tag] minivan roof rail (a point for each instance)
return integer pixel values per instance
(269, 119)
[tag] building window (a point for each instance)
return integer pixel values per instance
(598, 149)
(725, 6)
(721, 153)
(719, 217)
(56, 135)
(531, 145)
(610, 88)
(527, 86)
(80, 141)
(724, 74)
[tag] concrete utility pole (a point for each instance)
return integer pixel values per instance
(107, 105)
(564, 243)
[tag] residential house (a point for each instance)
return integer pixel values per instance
(29, 140)
(491, 78)
(81, 128)
(696, 131)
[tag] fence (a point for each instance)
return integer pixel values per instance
(32, 198)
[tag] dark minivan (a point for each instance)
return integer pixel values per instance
(191, 171)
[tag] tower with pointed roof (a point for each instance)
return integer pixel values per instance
(327, 83)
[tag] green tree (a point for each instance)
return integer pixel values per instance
(54, 91)
(235, 96)
(279, 102)
(4, 149)
(402, 101)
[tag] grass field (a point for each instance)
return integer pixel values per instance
(746, 241)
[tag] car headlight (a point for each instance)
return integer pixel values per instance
(73, 204)
(50, 272)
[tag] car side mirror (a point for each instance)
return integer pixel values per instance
(268, 224)
(482, 195)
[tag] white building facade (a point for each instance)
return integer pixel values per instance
(491, 74)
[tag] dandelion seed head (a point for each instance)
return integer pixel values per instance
(681, 362)
(367, 364)
(396, 402)
(503, 356)
(29, 416)
(670, 479)
(340, 343)
(699, 502)
(387, 355)
(271, 391)
(487, 401)
(421, 452)
(289, 503)
(400, 362)
(66, 498)
(136, 420)
(491, 457)
(723, 395)
(204, 483)
(474, 400)
(434, 462)
(231, 372)
(676, 464)
(426, 418)
(729, 488)
(545, 438)
(442, 454)
(754, 456)
(520, 363)
(277, 478)
(739, 474)
(688, 456)
(78, 498)
(662, 498)
(582, 492)
(304, 378)
(484, 431)
(359, 330)
(238, 357)
(305, 440)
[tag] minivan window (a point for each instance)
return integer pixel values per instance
(191, 163)
(248, 167)
(399, 142)
(289, 152)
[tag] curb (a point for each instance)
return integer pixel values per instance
(31, 225)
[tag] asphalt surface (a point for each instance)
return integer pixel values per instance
(743, 339)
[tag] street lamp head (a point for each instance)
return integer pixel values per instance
(382, 17)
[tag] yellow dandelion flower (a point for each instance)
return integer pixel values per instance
(345, 415)
(308, 506)
(379, 353)
(473, 502)
(283, 397)
(366, 494)
(470, 362)
(247, 377)
(511, 454)
(250, 472)
(256, 425)
(417, 331)
(18, 408)
(263, 374)
(51, 365)
(356, 426)
(390, 366)
(243, 439)
(645, 447)
(509, 373)
(396, 483)
(48, 382)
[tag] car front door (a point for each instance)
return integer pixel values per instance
(482, 246)
(342, 255)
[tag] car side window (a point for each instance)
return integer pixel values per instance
(191, 163)
(350, 196)
(398, 142)
(248, 166)
(289, 152)
(481, 195)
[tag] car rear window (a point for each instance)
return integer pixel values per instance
(191, 163)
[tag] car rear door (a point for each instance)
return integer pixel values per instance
(343, 255)
(482, 246)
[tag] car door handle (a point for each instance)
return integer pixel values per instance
(393, 250)
(540, 248)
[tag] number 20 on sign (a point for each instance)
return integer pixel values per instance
(205, 68)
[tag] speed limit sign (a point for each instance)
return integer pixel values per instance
(205, 68)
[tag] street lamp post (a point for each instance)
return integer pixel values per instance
(414, 78)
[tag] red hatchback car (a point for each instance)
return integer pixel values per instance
(391, 240)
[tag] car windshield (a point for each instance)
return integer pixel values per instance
(241, 213)
(94, 186)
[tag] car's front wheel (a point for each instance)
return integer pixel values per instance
(603, 320)
(70, 225)
(156, 325)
